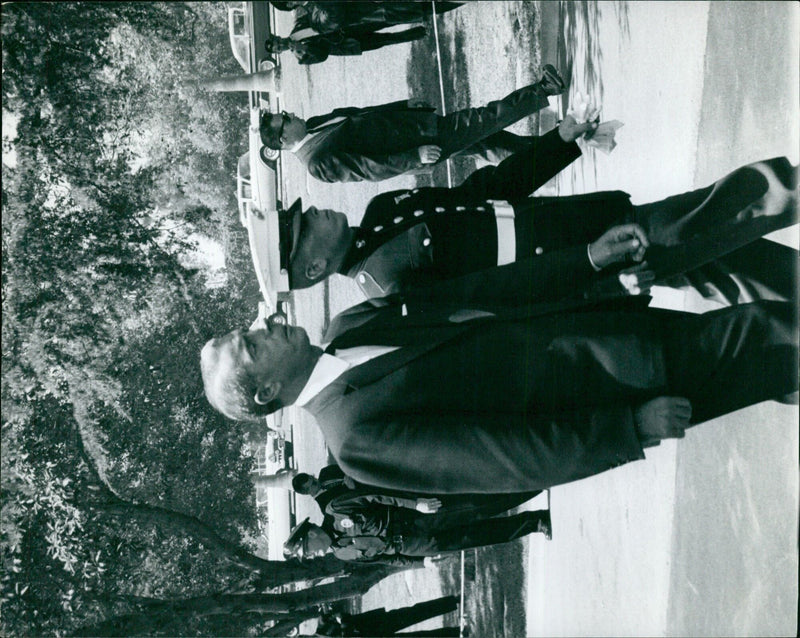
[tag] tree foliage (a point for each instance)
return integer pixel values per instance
(113, 464)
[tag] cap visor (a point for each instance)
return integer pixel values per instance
(296, 210)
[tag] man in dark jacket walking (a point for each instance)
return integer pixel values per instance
(376, 143)
(455, 394)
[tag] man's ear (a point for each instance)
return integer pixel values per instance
(267, 392)
(316, 268)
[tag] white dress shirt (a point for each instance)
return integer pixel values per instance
(331, 367)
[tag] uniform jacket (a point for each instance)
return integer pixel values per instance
(455, 510)
(416, 237)
(364, 521)
(361, 530)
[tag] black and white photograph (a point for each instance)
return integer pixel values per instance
(400, 318)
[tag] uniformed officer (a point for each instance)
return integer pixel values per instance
(332, 486)
(367, 530)
(414, 237)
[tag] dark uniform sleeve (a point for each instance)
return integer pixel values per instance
(524, 172)
(351, 167)
(399, 105)
(362, 500)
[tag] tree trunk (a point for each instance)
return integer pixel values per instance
(269, 81)
(280, 481)
(270, 573)
(288, 609)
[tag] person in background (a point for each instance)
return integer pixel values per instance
(379, 142)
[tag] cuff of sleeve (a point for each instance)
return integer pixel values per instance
(591, 261)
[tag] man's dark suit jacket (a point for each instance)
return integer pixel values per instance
(480, 403)
(372, 143)
(341, 17)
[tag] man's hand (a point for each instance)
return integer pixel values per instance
(419, 104)
(637, 280)
(428, 505)
(618, 244)
(429, 153)
(662, 418)
(428, 561)
(570, 130)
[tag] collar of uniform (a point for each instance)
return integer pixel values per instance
(355, 253)
(326, 371)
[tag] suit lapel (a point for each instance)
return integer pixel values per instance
(428, 326)
(377, 368)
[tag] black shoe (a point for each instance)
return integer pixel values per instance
(545, 526)
(551, 82)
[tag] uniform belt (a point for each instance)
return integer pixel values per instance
(506, 232)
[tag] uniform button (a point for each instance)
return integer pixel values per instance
(360, 243)
(539, 250)
(426, 241)
(480, 209)
(398, 219)
(439, 209)
(378, 229)
(460, 208)
(362, 278)
(417, 213)
(415, 191)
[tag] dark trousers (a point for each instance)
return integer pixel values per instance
(380, 622)
(422, 538)
(371, 41)
(478, 132)
(731, 358)
(712, 234)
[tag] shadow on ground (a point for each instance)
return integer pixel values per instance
(494, 589)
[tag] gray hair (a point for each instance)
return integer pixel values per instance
(233, 394)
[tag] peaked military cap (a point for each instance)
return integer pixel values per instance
(294, 547)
